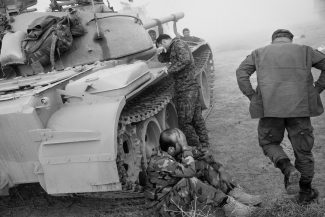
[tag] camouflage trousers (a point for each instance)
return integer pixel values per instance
(207, 170)
(185, 193)
(300, 133)
(190, 118)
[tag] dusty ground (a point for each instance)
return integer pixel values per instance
(233, 135)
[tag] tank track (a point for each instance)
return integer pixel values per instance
(201, 59)
(149, 103)
(204, 61)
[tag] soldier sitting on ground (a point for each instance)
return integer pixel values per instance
(172, 185)
(210, 170)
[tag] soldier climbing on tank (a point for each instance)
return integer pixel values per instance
(186, 34)
(187, 102)
(172, 185)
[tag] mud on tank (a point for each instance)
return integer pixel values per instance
(92, 123)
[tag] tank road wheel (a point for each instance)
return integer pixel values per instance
(167, 118)
(129, 156)
(205, 97)
(149, 132)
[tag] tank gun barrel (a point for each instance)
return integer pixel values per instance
(155, 22)
(67, 3)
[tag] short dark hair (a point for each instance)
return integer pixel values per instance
(282, 33)
(151, 31)
(162, 37)
(164, 140)
(185, 29)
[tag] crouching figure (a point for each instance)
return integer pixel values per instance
(173, 183)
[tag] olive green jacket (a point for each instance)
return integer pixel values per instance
(285, 85)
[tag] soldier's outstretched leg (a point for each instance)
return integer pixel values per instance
(208, 173)
(270, 135)
(301, 136)
(189, 189)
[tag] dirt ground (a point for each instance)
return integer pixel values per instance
(234, 142)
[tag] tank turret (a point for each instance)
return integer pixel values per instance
(88, 119)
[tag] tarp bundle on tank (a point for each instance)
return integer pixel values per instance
(47, 38)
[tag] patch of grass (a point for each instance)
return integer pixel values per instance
(287, 208)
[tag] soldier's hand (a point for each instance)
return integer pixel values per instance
(175, 19)
(184, 147)
(250, 97)
(161, 50)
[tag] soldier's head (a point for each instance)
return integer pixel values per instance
(163, 40)
(186, 32)
(172, 140)
(152, 34)
(282, 34)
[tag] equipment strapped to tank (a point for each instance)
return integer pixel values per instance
(11, 52)
(46, 37)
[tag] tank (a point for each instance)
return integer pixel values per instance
(92, 125)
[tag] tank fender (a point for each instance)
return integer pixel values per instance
(114, 81)
(79, 147)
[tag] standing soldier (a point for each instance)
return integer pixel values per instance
(172, 185)
(285, 98)
(187, 102)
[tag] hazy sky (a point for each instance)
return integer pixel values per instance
(220, 20)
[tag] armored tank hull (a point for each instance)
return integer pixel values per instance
(93, 125)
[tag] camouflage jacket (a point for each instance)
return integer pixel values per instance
(182, 65)
(164, 172)
(202, 154)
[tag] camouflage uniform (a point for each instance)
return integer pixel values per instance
(207, 170)
(187, 101)
(170, 183)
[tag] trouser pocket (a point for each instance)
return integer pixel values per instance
(303, 139)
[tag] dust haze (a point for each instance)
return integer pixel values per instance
(230, 23)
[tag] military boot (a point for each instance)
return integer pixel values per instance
(240, 195)
(233, 208)
(291, 176)
(307, 194)
(291, 181)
